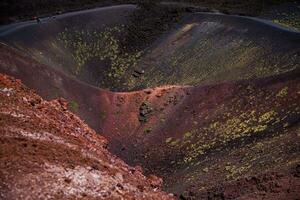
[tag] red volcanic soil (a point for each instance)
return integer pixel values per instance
(202, 140)
(48, 152)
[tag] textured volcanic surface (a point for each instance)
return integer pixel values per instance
(207, 136)
(202, 48)
(72, 42)
(212, 48)
(49, 153)
(51, 83)
(221, 120)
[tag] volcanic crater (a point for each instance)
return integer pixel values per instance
(207, 101)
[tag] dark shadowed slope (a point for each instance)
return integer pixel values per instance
(211, 48)
(82, 44)
(203, 48)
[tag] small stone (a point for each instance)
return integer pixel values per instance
(155, 181)
(158, 95)
(148, 91)
(205, 170)
(67, 180)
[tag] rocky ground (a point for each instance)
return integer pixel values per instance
(228, 129)
(49, 153)
(209, 137)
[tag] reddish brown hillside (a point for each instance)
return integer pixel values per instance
(46, 152)
(198, 137)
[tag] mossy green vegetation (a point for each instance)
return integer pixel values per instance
(73, 106)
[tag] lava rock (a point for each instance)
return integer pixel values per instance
(145, 111)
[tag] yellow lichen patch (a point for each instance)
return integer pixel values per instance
(242, 126)
(187, 135)
(174, 142)
(233, 128)
(187, 159)
(259, 145)
(168, 140)
(259, 128)
(267, 117)
(195, 150)
(283, 92)
(234, 171)
(87, 46)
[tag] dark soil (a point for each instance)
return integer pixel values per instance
(150, 40)
(15, 10)
(148, 23)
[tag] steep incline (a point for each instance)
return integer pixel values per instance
(48, 152)
(207, 135)
(88, 101)
(211, 48)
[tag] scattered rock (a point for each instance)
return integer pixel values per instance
(155, 181)
(148, 91)
(187, 195)
(205, 169)
(60, 151)
(145, 111)
(67, 180)
(138, 73)
(158, 95)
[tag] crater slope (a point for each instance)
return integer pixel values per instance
(199, 48)
(48, 152)
(221, 120)
(202, 135)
